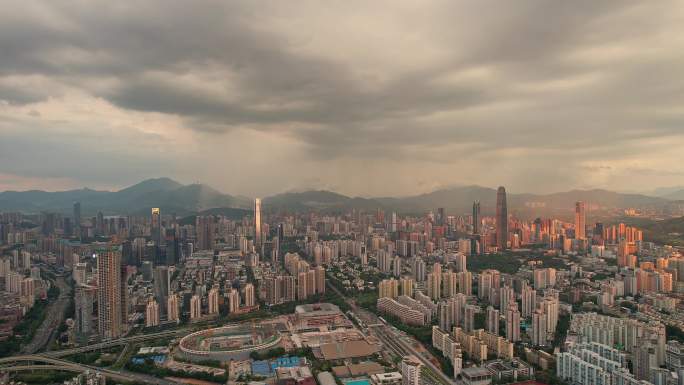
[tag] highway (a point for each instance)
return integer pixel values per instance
(116, 342)
(54, 316)
(35, 361)
(393, 341)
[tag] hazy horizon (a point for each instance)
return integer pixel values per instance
(364, 99)
(661, 192)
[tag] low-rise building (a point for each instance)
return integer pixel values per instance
(509, 370)
(391, 378)
(476, 376)
(313, 316)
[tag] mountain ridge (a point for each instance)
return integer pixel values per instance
(172, 196)
(164, 193)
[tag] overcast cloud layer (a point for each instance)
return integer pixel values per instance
(367, 98)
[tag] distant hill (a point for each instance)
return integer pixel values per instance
(232, 213)
(165, 193)
(317, 200)
(677, 195)
(185, 200)
(458, 200)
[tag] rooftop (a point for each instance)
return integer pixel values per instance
(316, 308)
(348, 349)
(476, 371)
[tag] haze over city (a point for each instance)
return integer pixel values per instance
(369, 99)
(221, 192)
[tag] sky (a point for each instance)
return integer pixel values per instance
(361, 97)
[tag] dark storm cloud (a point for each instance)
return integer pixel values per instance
(395, 82)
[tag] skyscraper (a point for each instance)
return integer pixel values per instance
(501, 219)
(84, 299)
(195, 307)
(469, 317)
(411, 369)
(204, 227)
(435, 282)
(249, 295)
(77, 218)
(212, 301)
(418, 269)
(513, 322)
(99, 224)
(257, 224)
(152, 313)
(155, 226)
(441, 216)
(109, 294)
(172, 307)
(580, 221)
(476, 217)
(233, 301)
(162, 282)
(539, 324)
(492, 320)
(319, 279)
(529, 300)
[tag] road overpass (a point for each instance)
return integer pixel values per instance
(116, 342)
(40, 362)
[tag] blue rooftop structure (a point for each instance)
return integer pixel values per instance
(158, 359)
(261, 368)
(360, 381)
(285, 362)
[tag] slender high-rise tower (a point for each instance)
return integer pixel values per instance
(580, 221)
(476, 217)
(155, 227)
(257, 224)
(109, 295)
(77, 218)
(501, 219)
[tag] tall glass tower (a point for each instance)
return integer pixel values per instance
(257, 224)
(501, 219)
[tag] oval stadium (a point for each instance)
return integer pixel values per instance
(229, 342)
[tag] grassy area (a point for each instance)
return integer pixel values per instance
(506, 263)
(421, 333)
(329, 296)
(674, 333)
(561, 329)
(368, 300)
(91, 358)
(44, 377)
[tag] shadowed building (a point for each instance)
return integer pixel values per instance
(501, 219)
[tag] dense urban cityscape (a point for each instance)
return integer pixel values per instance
(386, 192)
(266, 296)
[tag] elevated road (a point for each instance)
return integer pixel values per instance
(35, 361)
(116, 342)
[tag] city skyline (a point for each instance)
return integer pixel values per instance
(474, 287)
(265, 89)
(477, 192)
